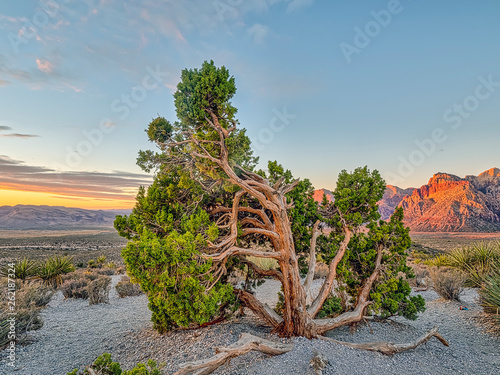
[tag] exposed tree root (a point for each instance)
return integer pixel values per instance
(246, 343)
(389, 348)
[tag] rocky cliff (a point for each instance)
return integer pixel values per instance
(447, 203)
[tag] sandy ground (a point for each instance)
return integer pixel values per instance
(74, 334)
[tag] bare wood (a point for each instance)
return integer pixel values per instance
(270, 316)
(390, 348)
(245, 344)
(312, 258)
(332, 273)
(323, 325)
(234, 250)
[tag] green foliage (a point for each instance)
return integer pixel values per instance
(331, 307)
(180, 288)
(50, 272)
(170, 230)
(104, 365)
(356, 198)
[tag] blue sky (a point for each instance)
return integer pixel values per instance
(410, 88)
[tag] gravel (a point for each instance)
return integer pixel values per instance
(74, 334)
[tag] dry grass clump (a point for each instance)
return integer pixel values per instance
(448, 282)
(31, 298)
(321, 270)
(98, 290)
(422, 279)
(126, 289)
(88, 284)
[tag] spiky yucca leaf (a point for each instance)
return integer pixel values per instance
(50, 272)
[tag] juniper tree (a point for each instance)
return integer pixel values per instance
(208, 206)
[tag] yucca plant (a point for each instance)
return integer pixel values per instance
(50, 272)
(490, 293)
(23, 269)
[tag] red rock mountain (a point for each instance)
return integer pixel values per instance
(448, 203)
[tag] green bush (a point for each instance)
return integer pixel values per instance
(331, 307)
(175, 278)
(104, 365)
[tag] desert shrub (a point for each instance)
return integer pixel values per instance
(101, 260)
(104, 365)
(106, 271)
(125, 288)
(23, 269)
(476, 260)
(50, 271)
(111, 265)
(489, 294)
(91, 263)
(422, 277)
(30, 300)
(120, 270)
(75, 288)
(98, 290)
(448, 282)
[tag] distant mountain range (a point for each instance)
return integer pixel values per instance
(55, 217)
(447, 203)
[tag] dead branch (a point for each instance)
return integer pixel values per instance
(312, 258)
(234, 250)
(270, 316)
(390, 348)
(332, 273)
(354, 316)
(245, 344)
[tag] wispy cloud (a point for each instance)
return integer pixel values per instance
(117, 185)
(258, 32)
(4, 82)
(19, 135)
(15, 135)
(44, 65)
